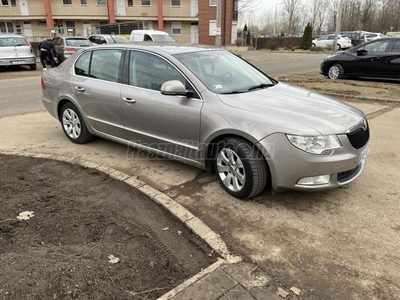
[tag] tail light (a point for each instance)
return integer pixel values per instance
(29, 43)
(42, 83)
(69, 49)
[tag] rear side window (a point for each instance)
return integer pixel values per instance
(396, 46)
(105, 64)
(82, 64)
(13, 42)
(77, 42)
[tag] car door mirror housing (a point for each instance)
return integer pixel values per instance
(173, 88)
(361, 52)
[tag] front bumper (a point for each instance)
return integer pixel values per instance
(289, 164)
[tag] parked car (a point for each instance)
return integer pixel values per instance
(107, 39)
(64, 47)
(378, 58)
(210, 109)
(150, 36)
(374, 36)
(16, 50)
(326, 41)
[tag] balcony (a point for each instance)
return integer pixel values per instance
(184, 10)
(77, 10)
(15, 11)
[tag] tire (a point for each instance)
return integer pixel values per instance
(335, 71)
(33, 67)
(240, 167)
(73, 125)
(338, 47)
(313, 45)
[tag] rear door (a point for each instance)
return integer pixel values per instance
(97, 88)
(391, 59)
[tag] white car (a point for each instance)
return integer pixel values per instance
(374, 36)
(326, 41)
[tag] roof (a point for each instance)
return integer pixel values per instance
(163, 47)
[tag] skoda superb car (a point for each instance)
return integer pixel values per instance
(210, 109)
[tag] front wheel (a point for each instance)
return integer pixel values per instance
(338, 47)
(240, 167)
(313, 45)
(33, 67)
(335, 71)
(73, 124)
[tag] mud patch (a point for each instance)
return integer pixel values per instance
(81, 217)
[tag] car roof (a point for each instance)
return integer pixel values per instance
(149, 31)
(106, 35)
(162, 47)
(71, 37)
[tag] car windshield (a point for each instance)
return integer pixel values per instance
(223, 72)
(162, 38)
(12, 41)
(78, 42)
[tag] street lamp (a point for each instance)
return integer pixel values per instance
(275, 16)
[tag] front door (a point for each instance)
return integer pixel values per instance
(194, 34)
(87, 28)
(370, 63)
(167, 123)
(28, 29)
(23, 7)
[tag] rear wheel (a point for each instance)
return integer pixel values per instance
(313, 45)
(335, 71)
(73, 124)
(338, 47)
(33, 66)
(240, 167)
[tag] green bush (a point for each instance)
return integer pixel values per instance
(317, 49)
(278, 42)
(306, 40)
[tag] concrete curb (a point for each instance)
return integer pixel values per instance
(192, 222)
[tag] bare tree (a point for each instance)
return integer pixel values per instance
(318, 14)
(292, 16)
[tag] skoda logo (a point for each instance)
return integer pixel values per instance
(364, 125)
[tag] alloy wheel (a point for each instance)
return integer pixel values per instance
(334, 72)
(71, 123)
(231, 170)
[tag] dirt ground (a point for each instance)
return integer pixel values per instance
(81, 217)
(358, 88)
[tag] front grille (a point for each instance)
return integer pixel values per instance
(359, 137)
(348, 175)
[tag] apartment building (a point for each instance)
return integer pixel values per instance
(188, 21)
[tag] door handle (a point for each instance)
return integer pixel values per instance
(80, 89)
(129, 100)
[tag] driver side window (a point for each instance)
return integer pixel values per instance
(378, 46)
(150, 71)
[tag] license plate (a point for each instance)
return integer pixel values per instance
(363, 154)
(18, 62)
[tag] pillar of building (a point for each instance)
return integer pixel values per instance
(160, 15)
(111, 11)
(49, 16)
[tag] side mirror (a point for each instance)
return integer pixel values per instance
(173, 88)
(362, 52)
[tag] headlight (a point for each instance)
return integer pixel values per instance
(314, 144)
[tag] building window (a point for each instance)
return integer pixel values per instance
(212, 28)
(6, 27)
(213, 2)
(101, 2)
(4, 2)
(130, 3)
(42, 22)
(67, 2)
(146, 3)
(83, 2)
(175, 2)
(176, 28)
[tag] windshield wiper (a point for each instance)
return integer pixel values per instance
(261, 86)
(234, 92)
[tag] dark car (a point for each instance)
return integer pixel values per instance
(378, 58)
(64, 47)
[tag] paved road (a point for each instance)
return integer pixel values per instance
(275, 64)
(20, 95)
(339, 244)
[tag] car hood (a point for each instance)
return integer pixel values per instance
(296, 110)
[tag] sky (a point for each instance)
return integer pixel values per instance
(261, 7)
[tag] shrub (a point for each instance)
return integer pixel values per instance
(317, 49)
(239, 42)
(306, 41)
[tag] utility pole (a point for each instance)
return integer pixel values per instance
(338, 19)
(218, 25)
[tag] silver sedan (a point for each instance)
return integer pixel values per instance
(210, 109)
